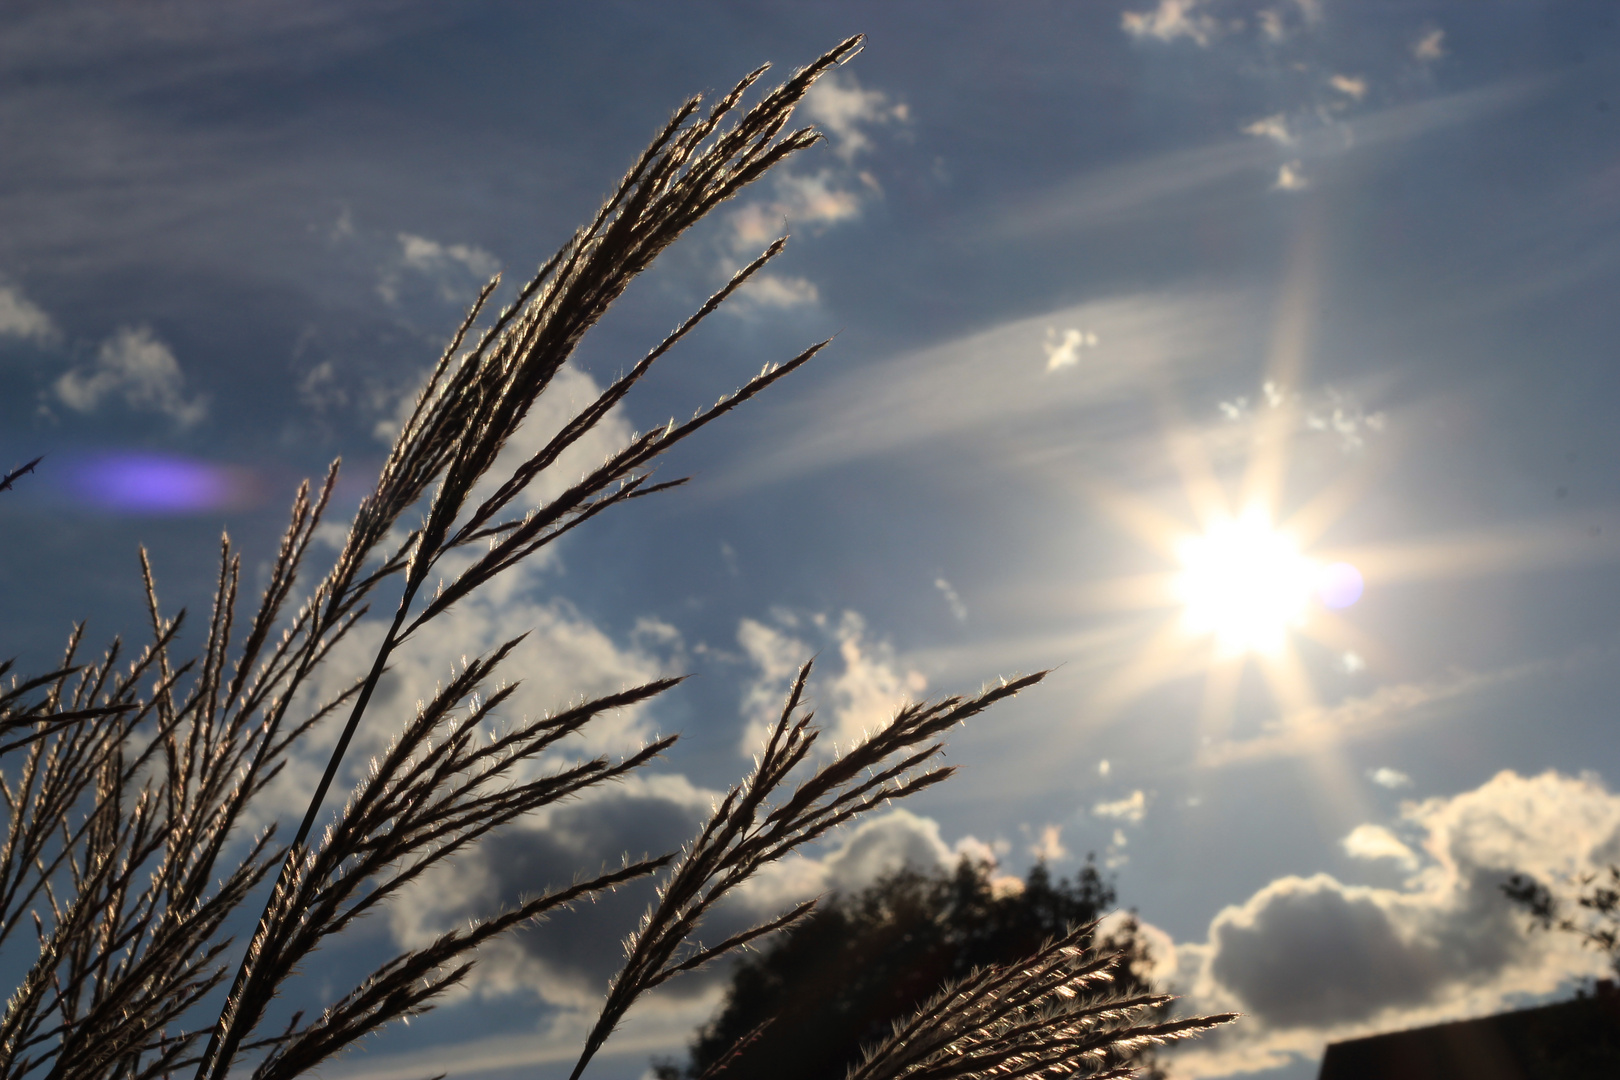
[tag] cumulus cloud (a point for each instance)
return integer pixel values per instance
(1132, 808)
(776, 291)
(830, 196)
(1386, 777)
(20, 317)
(1274, 128)
(1063, 350)
(138, 369)
(455, 271)
(567, 960)
(844, 110)
(1048, 846)
(1430, 44)
(815, 201)
(1172, 19)
(1291, 177)
(1313, 959)
(1351, 86)
(565, 654)
(1374, 842)
(862, 696)
(877, 847)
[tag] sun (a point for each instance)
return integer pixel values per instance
(1245, 583)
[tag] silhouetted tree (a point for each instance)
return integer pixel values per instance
(805, 1006)
(1589, 908)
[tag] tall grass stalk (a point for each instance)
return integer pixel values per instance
(129, 779)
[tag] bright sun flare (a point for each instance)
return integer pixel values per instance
(1246, 584)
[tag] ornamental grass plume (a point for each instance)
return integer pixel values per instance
(130, 779)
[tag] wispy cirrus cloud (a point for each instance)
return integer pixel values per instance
(1143, 190)
(1318, 727)
(979, 383)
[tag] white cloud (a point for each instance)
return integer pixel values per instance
(1290, 177)
(841, 108)
(428, 256)
(568, 960)
(1351, 86)
(1311, 960)
(876, 847)
(1130, 809)
(863, 696)
(1430, 45)
(1063, 350)
(1048, 846)
(1274, 128)
(1386, 777)
(774, 291)
(1352, 663)
(137, 368)
(966, 387)
(1104, 768)
(959, 610)
(1326, 410)
(564, 962)
(456, 271)
(817, 200)
(1312, 728)
(1172, 19)
(21, 317)
(1376, 842)
(565, 654)
(319, 388)
(1104, 199)
(1273, 25)
(569, 392)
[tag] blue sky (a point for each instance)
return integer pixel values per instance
(1099, 274)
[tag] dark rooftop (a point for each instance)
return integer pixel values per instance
(1572, 1040)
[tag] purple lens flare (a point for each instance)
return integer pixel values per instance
(1340, 585)
(145, 483)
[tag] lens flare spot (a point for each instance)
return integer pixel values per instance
(1340, 585)
(1245, 584)
(162, 484)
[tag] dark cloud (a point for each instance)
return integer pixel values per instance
(1311, 960)
(584, 943)
(570, 957)
(1314, 953)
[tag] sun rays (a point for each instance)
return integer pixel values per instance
(1243, 583)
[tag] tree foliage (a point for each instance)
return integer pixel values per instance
(1587, 906)
(808, 1004)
